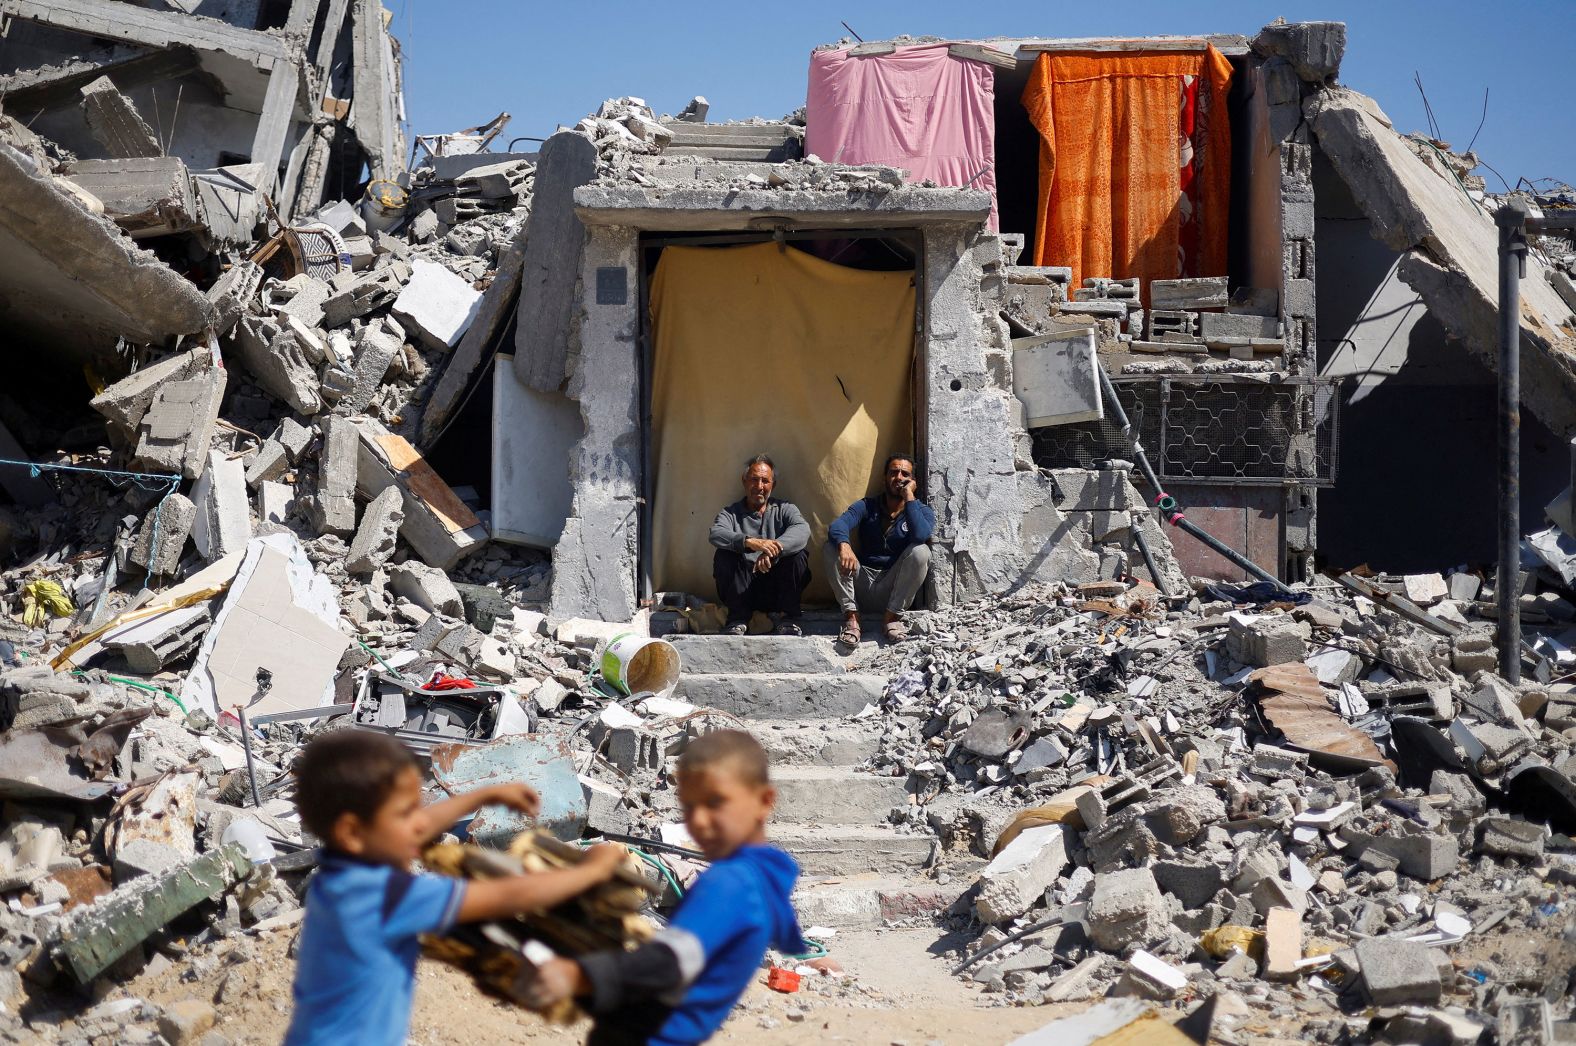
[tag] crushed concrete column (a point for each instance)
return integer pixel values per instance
(115, 122)
(379, 532)
(334, 506)
(224, 523)
(551, 263)
(174, 525)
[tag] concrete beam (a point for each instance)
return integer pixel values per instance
(550, 266)
(374, 106)
(721, 209)
(333, 25)
(110, 20)
(44, 90)
(115, 122)
(273, 126)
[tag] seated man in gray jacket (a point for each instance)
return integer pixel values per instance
(762, 560)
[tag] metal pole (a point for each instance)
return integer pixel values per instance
(251, 768)
(1170, 511)
(1512, 221)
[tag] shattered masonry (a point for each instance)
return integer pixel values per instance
(388, 452)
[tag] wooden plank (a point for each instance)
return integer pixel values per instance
(425, 483)
(983, 53)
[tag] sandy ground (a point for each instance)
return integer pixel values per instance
(895, 991)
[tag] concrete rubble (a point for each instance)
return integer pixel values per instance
(1107, 774)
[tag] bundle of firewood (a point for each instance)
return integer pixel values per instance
(495, 954)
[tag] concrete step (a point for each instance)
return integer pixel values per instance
(834, 795)
(782, 696)
(861, 901)
(840, 849)
(753, 655)
(818, 742)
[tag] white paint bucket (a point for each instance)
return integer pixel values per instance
(635, 663)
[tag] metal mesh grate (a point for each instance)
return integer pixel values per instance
(1214, 432)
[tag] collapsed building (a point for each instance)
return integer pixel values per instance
(309, 430)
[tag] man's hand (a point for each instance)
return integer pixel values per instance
(764, 564)
(549, 984)
(908, 491)
(847, 562)
(521, 798)
(764, 545)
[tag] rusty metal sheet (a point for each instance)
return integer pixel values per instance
(64, 761)
(1295, 703)
(84, 885)
(544, 764)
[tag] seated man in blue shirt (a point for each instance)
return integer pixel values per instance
(893, 559)
(762, 560)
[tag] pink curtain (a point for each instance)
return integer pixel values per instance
(918, 108)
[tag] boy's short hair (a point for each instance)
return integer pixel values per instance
(347, 771)
(742, 752)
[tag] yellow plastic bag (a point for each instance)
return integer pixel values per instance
(1220, 941)
(44, 599)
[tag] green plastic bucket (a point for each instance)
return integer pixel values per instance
(635, 664)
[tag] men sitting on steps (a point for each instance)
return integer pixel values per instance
(762, 560)
(893, 559)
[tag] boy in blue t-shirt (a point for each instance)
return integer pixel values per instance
(677, 989)
(360, 793)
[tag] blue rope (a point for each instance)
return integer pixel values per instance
(145, 480)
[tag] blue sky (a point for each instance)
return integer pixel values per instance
(553, 63)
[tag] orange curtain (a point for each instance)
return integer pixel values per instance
(1111, 151)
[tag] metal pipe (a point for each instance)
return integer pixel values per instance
(251, 768)
(1170, 510)
(1512, 221)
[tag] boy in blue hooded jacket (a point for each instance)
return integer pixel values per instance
(678, 988)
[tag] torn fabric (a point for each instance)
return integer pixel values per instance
(919, 108)
(1135, 163)
(767, 350)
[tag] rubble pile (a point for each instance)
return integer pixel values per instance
(1316, 805)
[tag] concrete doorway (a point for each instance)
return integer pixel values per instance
(802, 349)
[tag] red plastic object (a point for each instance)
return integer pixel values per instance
(781, 980)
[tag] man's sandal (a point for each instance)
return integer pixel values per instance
(895, 631)
(849, 637)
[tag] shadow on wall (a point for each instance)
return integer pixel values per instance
(1417, 488)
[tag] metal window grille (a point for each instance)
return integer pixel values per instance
(1212, 431)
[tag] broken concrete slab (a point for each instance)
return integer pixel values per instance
(356, 294)
(377, 535)
(175, 431)
(1127, 908)
(1017, 878)
(438, 525)
(427, 587)
(224, 521)
(436, 306)
(533, 442)
(1056, 379)
(1314, 49)
(275, 643)
(1397, 972)
(145, 196)
(1282, 944)
(50, 248)
(380, 343)
(127, 400)
(149, 646)
(1451, 247)
(555, 239)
